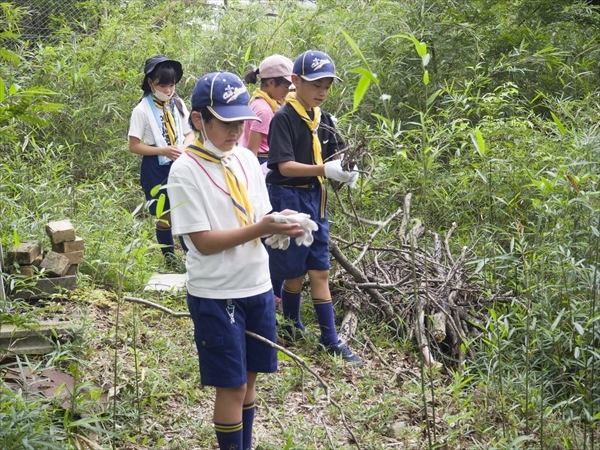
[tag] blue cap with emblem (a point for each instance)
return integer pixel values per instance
(225, 96)
(314, 65)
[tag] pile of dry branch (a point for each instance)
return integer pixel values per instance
(416, 283)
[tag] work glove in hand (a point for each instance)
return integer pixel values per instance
(354, 177)
(278, 241)
(304, 220)
(335, 171)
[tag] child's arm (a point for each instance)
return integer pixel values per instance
(136, 146)
(254, 140)
(296, 169)
(215, 241)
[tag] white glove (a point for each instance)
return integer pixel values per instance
(303, 220)
(354, 174)
(334, 170)
(278, 241)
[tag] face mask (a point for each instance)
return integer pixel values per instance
(160, 96)
(208, 145)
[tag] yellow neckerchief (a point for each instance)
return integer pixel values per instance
(259, 93)
(169, 120)
(237, 191)
(313, 126)
(289, 96)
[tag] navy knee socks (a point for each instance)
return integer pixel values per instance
(326, 319)
(248, 422)
(290, 306)
(229, 435)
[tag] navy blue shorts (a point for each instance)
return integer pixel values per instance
(153, 174)
(225, 352)
(296, 261)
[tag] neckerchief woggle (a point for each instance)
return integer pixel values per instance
(237, 191)
(313, 126)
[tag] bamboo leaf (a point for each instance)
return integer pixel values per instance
(155, 189)
(355, 48)
(247, 54)
(359, 92)
(432, 97)
(160, 205)
(1, 90)
(366, 73)
(559, 125)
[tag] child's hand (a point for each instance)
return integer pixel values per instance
(335, 171)
(273, 226)
(171, 152)
(305, 222)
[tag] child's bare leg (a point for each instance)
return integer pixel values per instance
(228, 404)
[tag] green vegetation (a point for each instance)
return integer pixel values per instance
(485, 110)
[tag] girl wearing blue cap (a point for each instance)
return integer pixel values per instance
(158, 131)
(301, 138)
(220, 205)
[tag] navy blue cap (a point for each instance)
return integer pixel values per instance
(151, 64)
(314, 65)
(225, 96)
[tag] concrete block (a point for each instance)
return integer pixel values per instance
(37, 262)
(74, 257)
(55, 264)
(72, 270)
(27, 270)
(37, 339)
(166, 282)
(60, 231)
(42, 287)
(69, 246)
(25, 253)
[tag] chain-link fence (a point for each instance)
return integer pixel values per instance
(49, 19)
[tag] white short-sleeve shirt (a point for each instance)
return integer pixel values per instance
(200, 202)
(140, 128)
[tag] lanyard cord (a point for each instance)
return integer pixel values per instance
(211, 178)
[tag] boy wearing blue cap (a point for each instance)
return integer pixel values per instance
(301, 138)
(219, 205)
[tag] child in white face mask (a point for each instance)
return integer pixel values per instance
(158, 131)
(221, 206)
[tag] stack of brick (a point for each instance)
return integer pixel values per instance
(58, 266)
(62, 261)
(28, 255)
(67, 249)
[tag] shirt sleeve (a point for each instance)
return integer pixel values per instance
(281, 135)
(188, 210)
(138, 124)
(264, 113)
